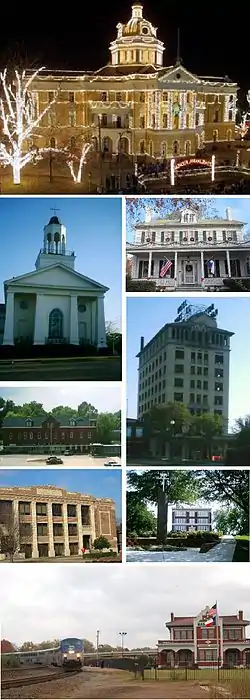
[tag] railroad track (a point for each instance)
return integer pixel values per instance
(31, 680)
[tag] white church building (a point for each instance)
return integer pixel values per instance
(186, 251)
(54, 303)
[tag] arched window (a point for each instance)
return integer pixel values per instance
(56, 324)
(176, 148)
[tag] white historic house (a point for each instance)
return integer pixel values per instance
(202, 252)
(54, 303)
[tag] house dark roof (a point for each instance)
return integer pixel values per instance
(54, 220)
(16, 422)
(227, 620)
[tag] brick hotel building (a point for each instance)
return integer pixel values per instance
(47, 521)
(42, 432)
(191, 645)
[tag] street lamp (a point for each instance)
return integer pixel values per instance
(122, 635)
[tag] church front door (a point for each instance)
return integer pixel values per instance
(82, 332)
(56, 326)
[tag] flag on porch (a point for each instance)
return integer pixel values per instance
(165, 267)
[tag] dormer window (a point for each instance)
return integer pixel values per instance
(188, 217)
(28, 422)
(72, 421)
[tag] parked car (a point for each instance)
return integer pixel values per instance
(54, 460)
(111, 463)
(67, 453)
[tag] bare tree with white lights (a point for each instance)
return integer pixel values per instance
(20, 117)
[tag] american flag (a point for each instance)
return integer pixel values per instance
(165, 267)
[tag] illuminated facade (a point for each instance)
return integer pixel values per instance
(202, 252)
(134, 105)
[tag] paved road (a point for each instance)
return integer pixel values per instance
(98, 369)
(74, 461)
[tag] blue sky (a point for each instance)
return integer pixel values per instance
(104, 396)
(94, 482)
(93, 232)
(145, 317)
(239, 205)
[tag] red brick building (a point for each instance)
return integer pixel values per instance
(29, 434)
(190, 645)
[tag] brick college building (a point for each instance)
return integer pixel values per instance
(50, 522)
(191, 645)
(40, 433)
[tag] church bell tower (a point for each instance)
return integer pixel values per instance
(54, 246)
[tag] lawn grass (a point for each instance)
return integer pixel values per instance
(242, 549)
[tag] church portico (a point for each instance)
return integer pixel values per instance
(54, 304)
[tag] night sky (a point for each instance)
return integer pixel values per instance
(214, 37)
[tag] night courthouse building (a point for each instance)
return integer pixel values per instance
(49, 521)
(134, 105)
(189, 645)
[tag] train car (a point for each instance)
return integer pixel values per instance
(72, 653)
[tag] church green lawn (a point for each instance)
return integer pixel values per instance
(242, 549)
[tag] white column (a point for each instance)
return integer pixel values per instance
(65, 530)
(50, 530)
(74, 327)
(202, 263)
(92, 525)
(228, 263)
(35, 551)
(175, 263)
(16, 523)
(79, 527)
(93, 321)
(149, 263)
(40, 331)
(101, 331)
(8, 338)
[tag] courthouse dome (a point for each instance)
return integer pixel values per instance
(137, 25)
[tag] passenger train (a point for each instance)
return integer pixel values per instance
(69, 655)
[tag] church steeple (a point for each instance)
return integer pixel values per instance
(54, 245)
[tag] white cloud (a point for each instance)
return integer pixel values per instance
(41, 601)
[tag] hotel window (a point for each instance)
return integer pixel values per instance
(165, 121)
(104, 96)
(204, 233)
(142, 122)
(165, 96)
(142, 97)
(178, 397)
(71, 97)
(10, 436)
(162, 236)
(179, 369)
(118, 97)
(31, 436)
(42, 530)
(89, 436)
(214, 235)
(51, 96)
(71, 435)
(62, 436)
(39, 436)
(179, 354)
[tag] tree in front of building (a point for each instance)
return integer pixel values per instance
(76, 160)
(206, 427)
(113, 338)
(6, 646)
(20, 118)
(28, 646)
(164, 488)
(168, 422)
(140, 520)
(9, 536)
(86, 410)
(101, 543)
(106, 424)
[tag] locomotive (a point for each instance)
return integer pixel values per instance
(71, 651)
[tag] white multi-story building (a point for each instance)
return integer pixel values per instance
(187, 362)
(202, 251)
(185, 519)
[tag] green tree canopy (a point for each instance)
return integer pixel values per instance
(106, 424)
(178, 485)
(230, 487)
(140, 520)
(232, 521)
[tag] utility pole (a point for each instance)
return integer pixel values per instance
(97, 646)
